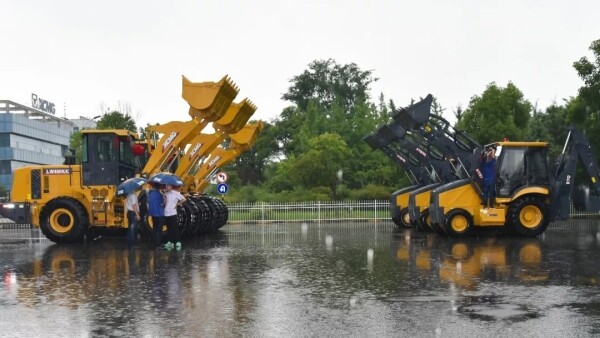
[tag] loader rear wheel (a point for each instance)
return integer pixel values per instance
(528, 216)
(458, 223)
(64, 220)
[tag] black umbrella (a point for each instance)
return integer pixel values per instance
(130, 185)
(166, 178)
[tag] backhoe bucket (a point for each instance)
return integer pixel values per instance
(236, 117)
(245, 138)
(416, 115)
(209, 100)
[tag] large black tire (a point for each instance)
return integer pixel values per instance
(213, 223)
(224, 216)
(64, 220)
(403, 219)
(426, 222)
(458, 223)
(186, 215)
(204, 216)
(528, 216)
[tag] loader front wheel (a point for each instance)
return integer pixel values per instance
(528, 217)
(458, 223)
(403, 219)
(64, 220)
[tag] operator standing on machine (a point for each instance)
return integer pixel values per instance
(489, 177)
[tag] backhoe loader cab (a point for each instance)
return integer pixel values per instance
(520, 165)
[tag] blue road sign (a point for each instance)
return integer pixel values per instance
(222, 188)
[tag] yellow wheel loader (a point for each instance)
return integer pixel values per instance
(68, 201)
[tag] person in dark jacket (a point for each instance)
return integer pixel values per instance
(489, 178)
(156, 210)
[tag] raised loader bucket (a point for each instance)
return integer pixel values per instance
(236, 117)
(245, 138)
(209, 100)
(414, 116)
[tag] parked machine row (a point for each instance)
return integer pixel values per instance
(444, 167)
(70, 201)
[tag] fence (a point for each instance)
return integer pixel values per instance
(262, 212)
(342, 211)
(309, 211)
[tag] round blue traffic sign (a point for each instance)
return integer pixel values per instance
(222, 188)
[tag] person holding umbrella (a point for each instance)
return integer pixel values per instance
(173, 199)
(128, 188)
(133, 217)
(156, 210)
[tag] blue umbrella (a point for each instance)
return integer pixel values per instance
(166, 178)
(130, 185)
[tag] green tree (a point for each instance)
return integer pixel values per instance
(250, 165)
(585, 109)
(75, 143)
(497, 113)
(117, 120)
(327, 82)
(550, 126)
(320, 164)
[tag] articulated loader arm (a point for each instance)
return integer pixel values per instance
(576, 148)
(382, 140)
(240, 142)
(208, 101)
(438, 131)
(232, 122)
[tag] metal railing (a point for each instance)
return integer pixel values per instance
(310, 212)
(317, 211)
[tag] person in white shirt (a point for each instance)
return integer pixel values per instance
(173, 198)
(133, 218)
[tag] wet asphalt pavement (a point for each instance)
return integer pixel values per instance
(306, 280)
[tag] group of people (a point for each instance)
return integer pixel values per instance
(162, 207)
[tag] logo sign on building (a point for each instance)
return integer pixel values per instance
(42, 104)
(57, 171)
(222, 188)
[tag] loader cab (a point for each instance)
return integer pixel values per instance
(108, 157)
(520, 165)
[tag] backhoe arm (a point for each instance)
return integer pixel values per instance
(577, 148)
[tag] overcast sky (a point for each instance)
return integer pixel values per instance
(82, 54)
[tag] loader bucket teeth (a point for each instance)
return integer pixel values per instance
(416, 115)
(245, 138)
(236, 117)
(209, 100)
